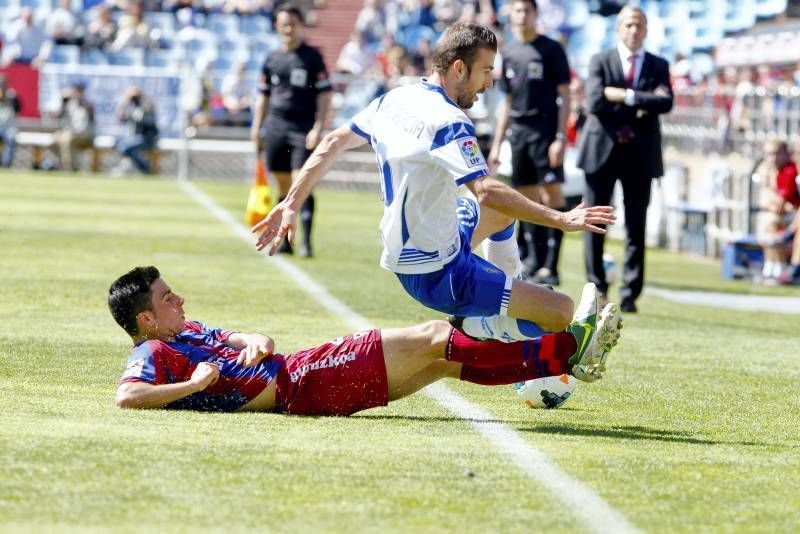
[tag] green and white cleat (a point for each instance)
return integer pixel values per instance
(605, 338)
(584, 325)
(607, 335)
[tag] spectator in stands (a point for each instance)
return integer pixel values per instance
(355, 57)
(63, 26)
(26, 42)
(371, 22)
(139, 112)
(248, 7)
(77, 126)
(626, 91)
(237, 96)
(294, 94)
(778, 199)
(535, 80)
(102, 31)
(133, 31)
(9, 108)
(422, 57)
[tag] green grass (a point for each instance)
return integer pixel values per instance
(694, 427)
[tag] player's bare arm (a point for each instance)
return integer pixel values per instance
(499, 134)
(145, 396)
(496, 195)
(255, 347)
(281, 222)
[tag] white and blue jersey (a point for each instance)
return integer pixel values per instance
(425, 146)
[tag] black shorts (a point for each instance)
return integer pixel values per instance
(285, 147)
(529, 161)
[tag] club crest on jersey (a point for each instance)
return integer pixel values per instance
(470, 151)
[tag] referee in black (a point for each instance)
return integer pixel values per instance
(535, 80)
(294, 95)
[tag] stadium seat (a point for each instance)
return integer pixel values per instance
(65, 55)
(261, 45)
(741, 14)
(411, 36)
(222, 24)
(93, 57)
(161, 58)
(162, 21)
(255, 25)
(577, 13)
(128, 57)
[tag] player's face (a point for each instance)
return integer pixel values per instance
(166, 318)
(476, 80)
(289, 28)
(632, 29)
(522, 15)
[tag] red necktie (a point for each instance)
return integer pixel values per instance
(629, 78)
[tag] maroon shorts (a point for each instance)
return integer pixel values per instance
(341, 377)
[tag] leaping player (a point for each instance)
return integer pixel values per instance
(426, 148)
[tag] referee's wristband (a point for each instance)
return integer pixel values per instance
(561, 136)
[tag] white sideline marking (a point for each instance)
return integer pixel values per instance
(582, 501)
(730, 301)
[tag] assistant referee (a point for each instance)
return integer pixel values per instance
(535, 80)
(294, 95)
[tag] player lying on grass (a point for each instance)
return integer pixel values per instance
(177, 363)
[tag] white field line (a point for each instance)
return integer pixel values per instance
(581, 500)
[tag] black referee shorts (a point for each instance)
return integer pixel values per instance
(285, 147)
(529, 161)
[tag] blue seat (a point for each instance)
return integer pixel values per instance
(94, 57)
(127, 57)
(222, 24)
(412, 35)
(161, 58)
(577, 13)
(162, 21)
(263, 44)
(741, 14)
(65, 55)
(254, 24)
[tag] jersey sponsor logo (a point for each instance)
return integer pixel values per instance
(134, 369)
(470, 151)
(535, 70)
(325, 363)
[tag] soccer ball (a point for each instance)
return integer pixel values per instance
(547, 392)
(610, 268)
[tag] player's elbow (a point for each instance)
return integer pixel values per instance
(126, 397)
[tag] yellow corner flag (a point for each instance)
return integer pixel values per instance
(260, 200)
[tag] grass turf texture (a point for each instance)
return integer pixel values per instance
(693, 428)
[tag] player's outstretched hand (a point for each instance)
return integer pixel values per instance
(204, 375)
(257, 347)
(280, 223)
(583, 218)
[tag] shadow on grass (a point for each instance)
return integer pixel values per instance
(635, 432)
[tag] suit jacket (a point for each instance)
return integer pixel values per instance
(610, 123)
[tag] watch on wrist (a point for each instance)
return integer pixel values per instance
(561, 136)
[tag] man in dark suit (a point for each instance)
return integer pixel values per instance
(626, 91)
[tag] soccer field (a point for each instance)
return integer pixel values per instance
(693, 428)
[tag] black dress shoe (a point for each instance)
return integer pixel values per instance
(628, 305)
(285, 247)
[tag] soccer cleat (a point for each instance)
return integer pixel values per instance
(605, 338)
(607, 335)
(584, 324)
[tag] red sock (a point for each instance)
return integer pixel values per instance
(506, 374)
(546, 355)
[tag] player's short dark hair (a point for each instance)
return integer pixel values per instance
(131, 294)
(462, 41)
(531, 2)
(291, 9)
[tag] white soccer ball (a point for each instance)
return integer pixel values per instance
(548, 392)
(610, 268)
